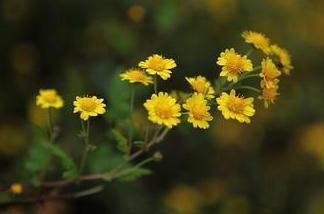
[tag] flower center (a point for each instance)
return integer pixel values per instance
(50, 97)
(235, 65)
(198, 112)
(138, 75)
(260, 41)
(236, 105)
(269, 93)
(164, 111)
(157, 64)
(199, 86)
(88, 104)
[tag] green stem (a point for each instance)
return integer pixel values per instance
(144, 162)
(249, 88)
(51, 126)
(131, 109)
(155, 84)
(86, 147)
(250, 51)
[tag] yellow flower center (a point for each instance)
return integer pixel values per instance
(137, 75)
(88, 104)
(198, 112)
(235, 65)
(269, 93)
(259, 40)
(236, 105)
(156, 63)
(199, 86)
(50, 97)
(163, 111)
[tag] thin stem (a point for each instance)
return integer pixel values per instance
(147, 132)
(250, 51)
(249, 88)
(86, 147)
(155, 84)
(51, 126)
(249, 76)
(131, 109)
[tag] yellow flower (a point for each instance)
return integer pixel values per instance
(233, 64)
(89, 107)
(136, 76)
(258, 40)
(284, 58)
(236, 107)
(48, 98)
(198, 111)
(163, 110)
(269, 70)
(269, 92)
(157, 64)
(16, 188)
(201, 85)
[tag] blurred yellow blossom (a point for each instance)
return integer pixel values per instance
(157, 64)
(257, 40)
(48, 98)
(136, 76)
(269, 71)
(233, 64)
(89, 107)
(198, 109)
(136, 13)
(184, 200)
(201, 85)
(236, 107)
(16, 188)
(283, 57)
(163, 110)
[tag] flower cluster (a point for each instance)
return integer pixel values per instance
(164, 109)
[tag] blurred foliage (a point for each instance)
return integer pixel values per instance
(275, 165)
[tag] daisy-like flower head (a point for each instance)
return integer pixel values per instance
(136, 76)
(269, 70)
(233, 64)
(89, 107)
(258, 40)
(198, 111)
(202, 86)
(16, 188)
(48, 98)
(269, 92)
(163, 110)
(159, 65)
(283, 57)
(236, 107)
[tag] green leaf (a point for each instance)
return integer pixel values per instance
(133, 174)
(220, 84)
(70, 168)
(122, 145)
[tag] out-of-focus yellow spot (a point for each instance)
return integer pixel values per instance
(136, 13)
(184, 199)
(312, 141)
(13, 139)
(16, 188)
(15, 10)
(222, 10)
(23, 58)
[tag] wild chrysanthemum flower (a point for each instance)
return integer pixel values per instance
(136, 76)
(201, 85)
(198, 111)
(236, 107)
(269, 71)
(89, 107)
(283, 57)
(269, 92)
(258, 40)
(159, 65)
(16, 188)
(233, 64)
(48, 98)
(163, 110)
